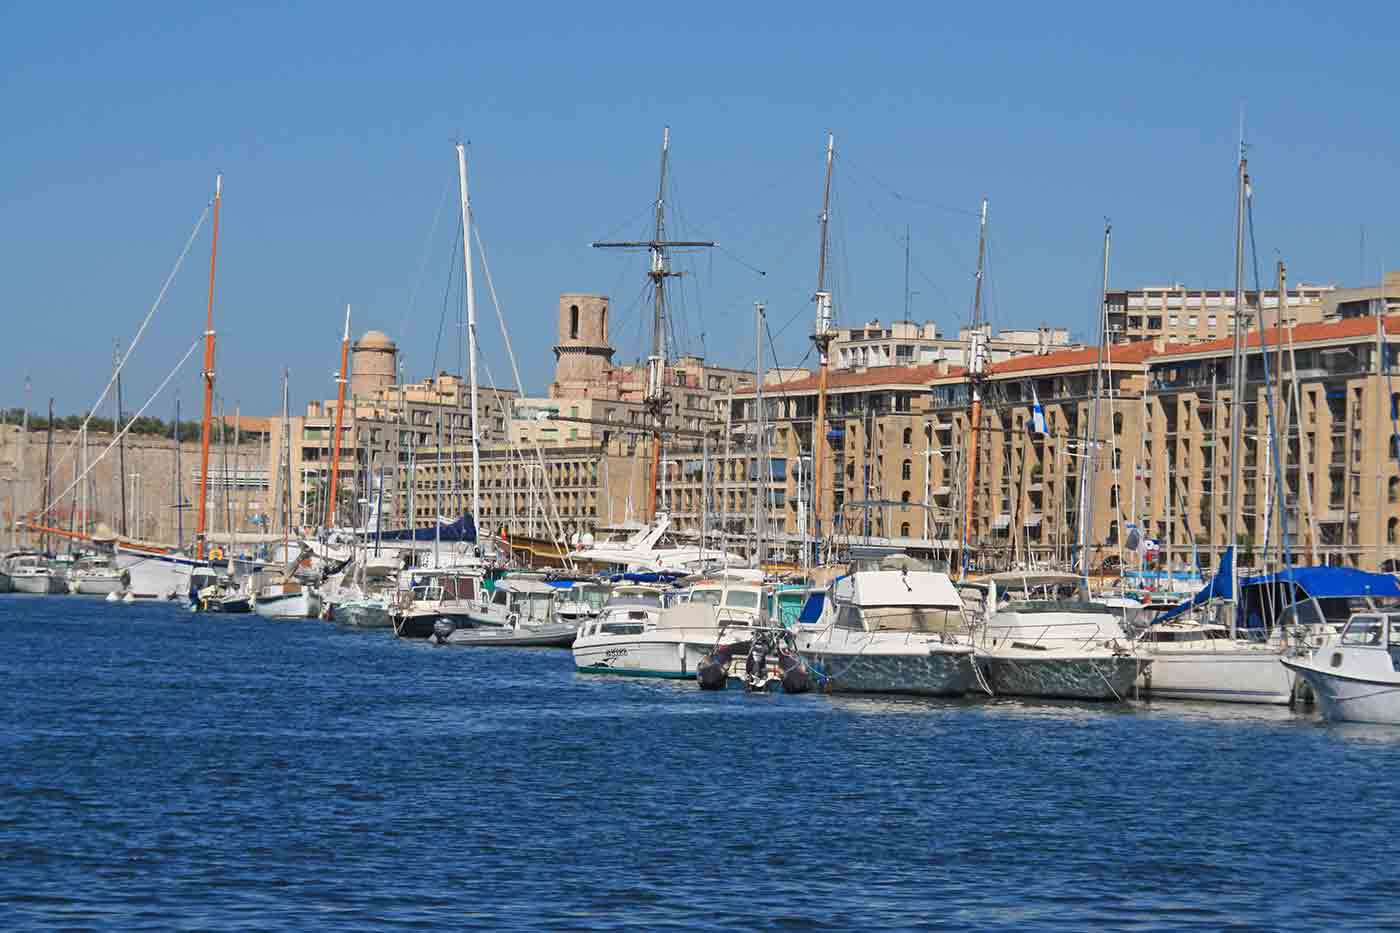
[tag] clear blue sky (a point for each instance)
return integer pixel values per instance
(333, 125)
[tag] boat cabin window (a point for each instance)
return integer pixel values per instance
(499, 598)
(1055, 605)
(707, 597)
(534, 607)
(916, 619)
(458, 587)
(742, 599)
(1363, 630)
(1178, 635)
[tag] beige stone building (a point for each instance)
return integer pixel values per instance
(906, 343)
(1181, 315)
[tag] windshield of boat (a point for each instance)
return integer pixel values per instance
(710, 597)
(915, 619)
(1363, 630)
(591, 596)
(1056, 605)
(742, 599)
(534, 607)
(633, 599)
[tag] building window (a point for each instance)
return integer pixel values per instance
(573, 322)
(907, 471)
(904, 529)
(904, 497)
(908, 437)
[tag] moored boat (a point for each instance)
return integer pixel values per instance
(890, 631)
(1355, 677)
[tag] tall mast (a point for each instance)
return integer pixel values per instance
(1088, 465)
(822, 336)
(121, 443)
(655, 397)
(764, 467)
(1237, 387)
(179, 493)
(48, 477)
(976, 373)
(286, 469)
(208, 379)
(471, 327)
(340, 380)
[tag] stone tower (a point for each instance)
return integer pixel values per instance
(583, 355)
(374, 364)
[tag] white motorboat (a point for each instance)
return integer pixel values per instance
(634, 635)
(529, 619)
(1196, 660)
(1355, 677)
(31, 573)
(890, 631)
(1048, 640)
(736, 599)
(287, 599)
(436, 599)
(95, 576)
(581, 600)
(653, 547)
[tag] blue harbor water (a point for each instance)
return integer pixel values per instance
(164, 771)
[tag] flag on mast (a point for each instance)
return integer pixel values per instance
(1037, 413)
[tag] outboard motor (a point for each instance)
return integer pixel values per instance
(712, 673)
(443, 628)
(796, 677)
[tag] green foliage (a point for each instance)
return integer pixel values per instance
(189, 430)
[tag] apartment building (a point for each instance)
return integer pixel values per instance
(906, 343)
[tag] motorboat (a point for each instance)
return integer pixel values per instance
(737, 600)
(435, 599)
(1356, 676)
(580, 600)
(287, 598)
(529, 620)
(637, 636)
(889, 631)
(95, 576)
(652, 547)
(1041, 636)
(31, 573)
(222, 594)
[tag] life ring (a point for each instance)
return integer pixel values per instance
(216, 554)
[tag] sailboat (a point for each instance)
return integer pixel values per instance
(287, 597)
(1205, 658)
(153, 571)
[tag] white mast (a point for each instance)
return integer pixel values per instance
(471, 326)
(1237, 389)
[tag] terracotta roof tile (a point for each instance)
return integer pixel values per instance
(1302, 333)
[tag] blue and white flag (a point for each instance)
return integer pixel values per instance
(1037, 413)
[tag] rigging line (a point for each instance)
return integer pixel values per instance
(1268, 391)
(900, 196)
(121, 364)
(446, 298)
(130, 422)
(427, 254)
(735, 257)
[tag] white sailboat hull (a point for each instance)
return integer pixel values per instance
(38, 584)
(86, 584)
(1226, 676)
(157, 576)
(304, 604)
(657, 653)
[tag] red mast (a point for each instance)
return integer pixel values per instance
(208, 379)
(339, 417)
